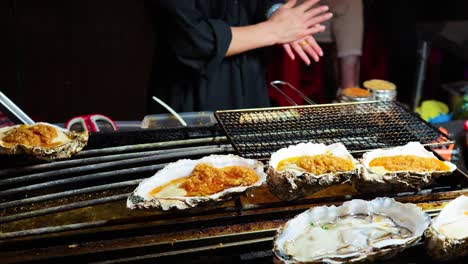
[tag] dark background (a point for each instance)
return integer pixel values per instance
(62, 58)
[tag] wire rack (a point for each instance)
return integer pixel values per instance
(257, 133)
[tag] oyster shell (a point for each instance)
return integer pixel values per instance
(356, 231)
(293, 182)
(56, 142)
(379, 179)
(172, 176)
(447, 237)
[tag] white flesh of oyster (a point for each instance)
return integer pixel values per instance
(356, 231)
(447, 236)
(173, 196)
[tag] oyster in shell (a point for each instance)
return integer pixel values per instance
(42, 140)
(447, 237)
(356, 231)
(306, 168)
(406, 168)
(189, 183)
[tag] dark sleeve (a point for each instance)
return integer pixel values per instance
(197, 41)
(266, 5)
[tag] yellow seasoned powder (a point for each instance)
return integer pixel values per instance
(409, 163)
(318, 164)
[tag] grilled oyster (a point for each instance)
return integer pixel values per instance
(447, 237)
(189, 183)
(356, 231)
(406, 168)
(42, 140)
(306, 168)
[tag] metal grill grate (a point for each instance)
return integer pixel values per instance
(256, 133)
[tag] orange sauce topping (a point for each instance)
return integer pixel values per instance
(206, 179)
(318, 164)
(409, 163)
(356, 92)
(35, 135)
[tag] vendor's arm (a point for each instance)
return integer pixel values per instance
(200, 43)
(289, 23)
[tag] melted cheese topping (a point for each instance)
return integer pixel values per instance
(347, 235)
(205, 180)
(317, 164)
(408, 163)
(35, 135)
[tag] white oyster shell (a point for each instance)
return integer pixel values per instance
(141, 197)
(292, 184)
(379, 180)
(408, 216)
(70, 143)
(447, 237)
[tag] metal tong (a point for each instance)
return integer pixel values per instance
(13, 112)
(301, 94)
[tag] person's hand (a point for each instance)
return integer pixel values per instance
(304, 48)
(290, 22)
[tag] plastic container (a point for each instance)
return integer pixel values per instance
(193, 119)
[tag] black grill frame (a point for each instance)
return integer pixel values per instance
(257, 133)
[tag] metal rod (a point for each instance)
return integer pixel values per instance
(89, 177)
(12, 111)
(62, 228)
(70, 163)
(187, 251)
(62, 208)
(85, 161)
(165, 144)
(423, 55)
(52, 229)
(301, 94)
(61, 195)
(148, 156)
(84, 178)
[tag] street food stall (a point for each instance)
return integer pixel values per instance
(88, 209)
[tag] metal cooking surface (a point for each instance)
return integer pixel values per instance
(75, 210)
(257, 133)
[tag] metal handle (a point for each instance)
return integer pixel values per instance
(301, 94)
(12, 111)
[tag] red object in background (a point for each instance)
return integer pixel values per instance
(91, 123)
(5, 121)
(465, 125)
(310, 79)
(374, 58)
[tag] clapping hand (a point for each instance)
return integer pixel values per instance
(295, 25)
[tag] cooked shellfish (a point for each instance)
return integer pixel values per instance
(42, 140)
(189, 183)
(356, 231)
(406, 168)
(447, 237)
(306, 168)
